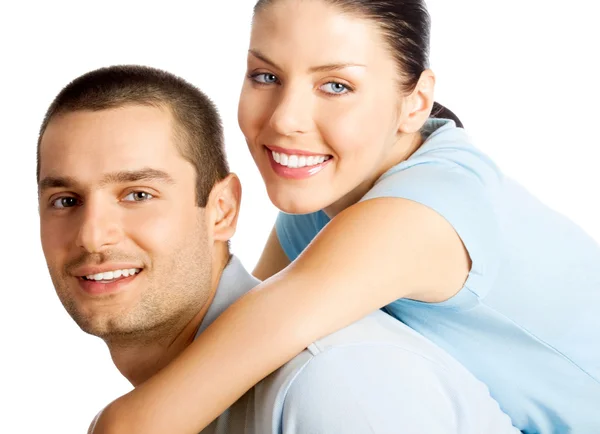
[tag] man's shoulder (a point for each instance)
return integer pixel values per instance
(369, 376)
(373, 334)
(320, 383)
(375, 329)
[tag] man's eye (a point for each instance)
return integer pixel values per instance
(65, 202)
(137, 196)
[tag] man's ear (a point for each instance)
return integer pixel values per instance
(223, 208)
(417, 106)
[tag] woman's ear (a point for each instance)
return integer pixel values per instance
(417, 106)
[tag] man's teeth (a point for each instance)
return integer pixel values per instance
(297, 161)
(115, 274)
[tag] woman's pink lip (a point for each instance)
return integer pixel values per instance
(292, 151)
(297, 172)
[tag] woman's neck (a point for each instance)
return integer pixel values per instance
(404, 147)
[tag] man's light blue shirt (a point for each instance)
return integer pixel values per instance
(375, 376)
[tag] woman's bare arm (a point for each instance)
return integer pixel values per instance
(368, 256)
(272, 260)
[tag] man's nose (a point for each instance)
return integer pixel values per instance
(99, 227)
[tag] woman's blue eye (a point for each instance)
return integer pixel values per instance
(138, 196)
(265, 78)
(334, 88)
(65, 202)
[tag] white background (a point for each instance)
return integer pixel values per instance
(523, 76)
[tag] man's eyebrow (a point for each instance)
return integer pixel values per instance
(121, 177)
(56, 182)
(320, 68)
(127, 176)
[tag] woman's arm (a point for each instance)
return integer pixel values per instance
(93, 424)
(368, 256)
(272, 260)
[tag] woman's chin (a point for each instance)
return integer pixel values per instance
(293, 203)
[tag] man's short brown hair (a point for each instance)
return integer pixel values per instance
(198, 126)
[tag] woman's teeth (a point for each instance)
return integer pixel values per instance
(297, 161)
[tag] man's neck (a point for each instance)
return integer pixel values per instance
(137, 361)
(140, 359)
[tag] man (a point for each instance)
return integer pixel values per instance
(137, 206)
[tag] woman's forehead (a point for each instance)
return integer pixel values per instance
(318, 33)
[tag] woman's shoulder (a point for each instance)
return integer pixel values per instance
(447, 149)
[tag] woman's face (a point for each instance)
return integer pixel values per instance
(320, 106)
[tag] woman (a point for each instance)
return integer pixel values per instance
(384, 207)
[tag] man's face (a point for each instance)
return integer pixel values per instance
(127, 248)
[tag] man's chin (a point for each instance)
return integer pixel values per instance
(106, 322)
(107, 327)
(122, 331)
(101, 328)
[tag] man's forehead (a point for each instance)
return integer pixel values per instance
(109, 141)
(124, 119)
